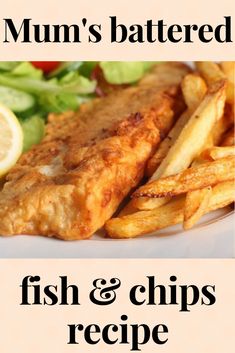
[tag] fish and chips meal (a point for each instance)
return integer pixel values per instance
(146, 149)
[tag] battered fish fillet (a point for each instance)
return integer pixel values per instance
(71, 184)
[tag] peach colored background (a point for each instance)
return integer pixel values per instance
(43, 329)
(38, 329)
(128, 12)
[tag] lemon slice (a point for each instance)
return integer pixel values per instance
(11, 140)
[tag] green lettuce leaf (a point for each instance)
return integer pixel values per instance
(25, 68)
(124, 72)
(73, 82)
(58, 103)
(33, 131)
(8, 65)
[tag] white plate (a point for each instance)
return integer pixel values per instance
(212, 238)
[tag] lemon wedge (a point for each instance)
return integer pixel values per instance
(11, 140)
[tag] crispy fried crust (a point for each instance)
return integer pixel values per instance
(71, 183)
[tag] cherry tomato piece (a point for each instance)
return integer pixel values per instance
(46, 66)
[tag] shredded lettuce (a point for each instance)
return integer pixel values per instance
(124, 72)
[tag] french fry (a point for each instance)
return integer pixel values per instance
(223, 194)
(193, 178)
(149, 203)
(219, 129)
(128, 209)
(194, 89)
(191, 141)
(219, 152)
(194, 135)
(212, 73)
(144, 222)
(196, 202)
(229, 138)
(167, 143)
(228, 67)
(221, 126)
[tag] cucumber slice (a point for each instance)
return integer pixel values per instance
(17, 101)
